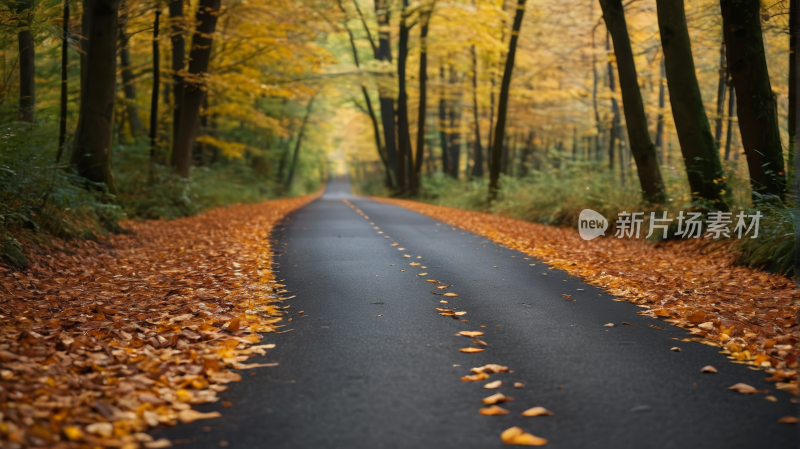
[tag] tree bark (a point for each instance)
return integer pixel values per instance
(92, 151)
(731, 112)
(662, 96)
(642, 148)
(477, 168)
(793, 48)
(404, 137)
(384, 54)
(154, 93)
(299, 142)
(502, 109)
(443, 123)
(62, 120)
(454, 136)
(721, 89)
(178, 63)
(703, 166)
(194, 83)
(27, 66)
(134, 121)
(423, 98)
(614, 134)
(756, 104)
(794, 31)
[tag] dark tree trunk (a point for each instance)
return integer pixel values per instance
(731, 112)
(91, 155)
(423, 99)
(299, 142)
(62, 121)
(793, 48)
(502, 109)
(597, 122)
(384, 54)
(154, 94)
(662, 103)
(178, 62)
(134, 121)
(193, 94)
(443, 133)
(703, 166)
(642, 148)
(794, 31)
(614, 135)
(27, 67)
(526, 152)
(756, 104)
(404, 137)
(454, 136)
(477, 168)
(721, 89)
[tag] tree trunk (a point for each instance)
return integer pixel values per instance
(794, 31)
(662, 96)
(134, 121)
(614, 135)
(92, 151)
(597, 122)
(704, 169)
(477, 168)
(757, 106)
(721, 89)
(404, 137)
(297, 144)
(62, 121)
(454, 136)
(178, 62)
(642, 148)
(793, 48)
(193, 94)
(384, 55)
(731, 112)
(502, 109)
(423, 97)
(443, 134)
(27, 67)
(154, 94)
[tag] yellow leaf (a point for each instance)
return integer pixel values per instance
(537, 411)
(450, 294)
(475, 377)
(471, 350)
(496, 398)
(73, 433)
(493, 410)
(493, 385)
(472, 334)
(515, 435)
(188, 416)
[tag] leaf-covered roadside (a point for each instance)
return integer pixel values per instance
(101, 341)
(751, 314)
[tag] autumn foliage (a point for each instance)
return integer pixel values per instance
(100, 341)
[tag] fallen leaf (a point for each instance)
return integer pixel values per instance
(496, 398)
(676, 349)
(788, 420)
(471, 350)
(103, 429)
(490, 368)
(472, 334)
(450, 294)
(422, 274)
(461, 313)
(432, 281)
(537, 411)
(515, 435)
(771, 398)
(443, 302)
(493, 385)
(479, 342)
(609, 325)
(475, 377)
(746, 389)
(189, 415)
(160, 443)
(708, 369)
(519, 385)
(627, 324)
(378, 315)
(414, 264)
(494, 410)
(567, 297)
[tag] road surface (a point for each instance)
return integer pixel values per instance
(349, 378)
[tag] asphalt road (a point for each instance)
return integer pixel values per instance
(350, 379)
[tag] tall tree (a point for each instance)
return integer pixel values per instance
(424, 18)
(128, 86)
(662, 103)
(27, 67)
(614, 136)
(502, 109)
(62, 119)
(178, 63)
(195, 83)
(756, 104)
(731, 111)
(404, 137)
(443, 121)
(477, 167)
(156, 82)
(384, 54)
(91, 153)
(642, 148)
(454, 133)
(299, 142)
(793, 49)
(721, 89)
(703, 166)
(794, 32)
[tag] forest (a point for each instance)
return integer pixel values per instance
(115, 110)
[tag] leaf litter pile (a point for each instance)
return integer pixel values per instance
(101, 341)
(750, 314)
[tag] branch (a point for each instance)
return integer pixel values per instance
(366, 28)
